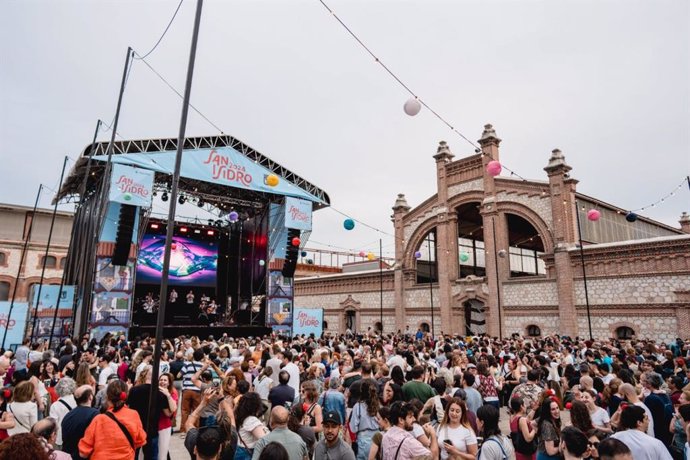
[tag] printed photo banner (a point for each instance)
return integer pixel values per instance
(17, 323)
(133, 186)
(223, 166)
(49, 297)
(307, 321)
(297, 214)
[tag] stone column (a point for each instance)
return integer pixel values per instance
(399, 210)
(684, 222)
(563, 209)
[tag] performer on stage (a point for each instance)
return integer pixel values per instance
(190, 298)
(173, 296)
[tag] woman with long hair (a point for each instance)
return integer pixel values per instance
(511, 379)
(391, 393)
(23, 446)
(313, 413)
(83, 376)
(250, 428)
(41, 395)
(523, 430)
(296, 425)
(488, 385)
(455, 434)
(610, 395)
(165, 385)
(495, 445)
(579, 416)
(106, 437)
(549, 430)
(363, 418)
(23, 408)
(397, 376)
(600, 418)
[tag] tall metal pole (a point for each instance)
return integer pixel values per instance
(584, 272)
(152, 425)
(381, 284)
(431, 283)
(45, 256)
(21, 265)
(498, 282)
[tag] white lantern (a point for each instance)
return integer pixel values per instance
(412, 106)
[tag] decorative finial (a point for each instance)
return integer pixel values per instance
(401, 203)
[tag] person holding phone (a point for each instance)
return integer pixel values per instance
(458, 440)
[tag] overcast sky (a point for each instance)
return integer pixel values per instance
(607, 82)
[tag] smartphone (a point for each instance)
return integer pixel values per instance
(216, 384)
(47, 382)
(447, 441)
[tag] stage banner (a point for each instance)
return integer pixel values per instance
(49, 297)
(132, 186)
(307, 321)
(44, 309)
(297, 214)
(223, 166)
(17, 323)
(112, 295)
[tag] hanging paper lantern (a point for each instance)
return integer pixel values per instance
(362, 254)
(371, 256)
(494, 168)
(412, 106)
(593, 215)
(272, 180)
(418, 255)
(349, 224)
(233, 216)
(304, 253)
(127, 196)
(296, 241)
(262, 262)
(631, 217)
(464, 257)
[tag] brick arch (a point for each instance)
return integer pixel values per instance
(614, 326)
(531, 217)
(416, 239)
(530, 324)
(463, 198)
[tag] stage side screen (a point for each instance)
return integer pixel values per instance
(193, 262)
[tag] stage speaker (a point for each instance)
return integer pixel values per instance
(291, 254)
(125, 230)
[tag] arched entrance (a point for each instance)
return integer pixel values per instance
(475, 317)
(350, 320)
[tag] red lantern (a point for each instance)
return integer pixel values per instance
(296, 241)
(568, 405)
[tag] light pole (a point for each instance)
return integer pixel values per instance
(584, 272)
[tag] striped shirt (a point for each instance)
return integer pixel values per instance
(188, 370)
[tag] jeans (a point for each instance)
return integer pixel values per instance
(364, 444)
(242, 453)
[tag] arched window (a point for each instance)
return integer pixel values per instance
(49, 261)
(3, 258)
(427, 269)
(525, 247)
(378, 327)
(470, 241)
(4, 290)
(624, 333)
(425, 327)
(533, 330)
(325, 324)
(62, 263)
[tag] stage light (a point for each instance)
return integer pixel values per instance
(210, 232)
(210, 222)
(155, 193)
(197, 231)
(182, 199)
(200, 203)
(164, 196)
(183, 229)
(154, 225)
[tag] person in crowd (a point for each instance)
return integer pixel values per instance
(191, 394)
(333, 399)
(332, 446)
(292, 370)
(46, 431)
(224, 429)
(523, 431)
(633, 424)
(65, 389)
(280, 433)
(495, 445)
(398, 443)
(298, 424)
(313, 413)
(630, 396)
(165, 423)
(549, 430)
(659, 404)
(138, 400)
(115, 434)
(249, 426)
(416, 388)
(613, 449)
(599, 416)
(75, 422)
(488, 386)
(22, 408)
(363, 418)
(580, 416)
(282, 394)
(472, 397)
(23, 446)
(574, 443)
(391, 393)
(455, 434)
(375, 453)
(274, 451)
(529, 391)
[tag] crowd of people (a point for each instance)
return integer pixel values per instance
(364, 397)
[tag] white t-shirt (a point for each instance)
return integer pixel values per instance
(247, 437)
(650, 427)
(103, 376)
(460, 436)
(643, 446)
(600, 417)
(293, 370)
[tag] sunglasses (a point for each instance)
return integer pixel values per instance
(594, 444)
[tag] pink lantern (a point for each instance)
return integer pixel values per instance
(362, 253)
(593, 215)
(494, 168)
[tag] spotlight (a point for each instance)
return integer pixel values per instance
(182, 199)
(164, 196)
(200, 203)
(155, 193)
(210, 222)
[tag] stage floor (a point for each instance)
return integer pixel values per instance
(203, 332)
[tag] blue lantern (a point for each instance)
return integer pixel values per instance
(304, 253)
(631, 217)
(349, 224)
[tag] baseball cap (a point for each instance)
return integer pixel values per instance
(332, 417)
(471, 366)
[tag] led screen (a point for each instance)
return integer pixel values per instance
(193, 262)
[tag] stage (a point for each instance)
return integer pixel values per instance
(203, 332)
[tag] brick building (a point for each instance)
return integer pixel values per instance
(14, 232)
(501, 255)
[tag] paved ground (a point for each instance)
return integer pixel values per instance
(178, 451)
